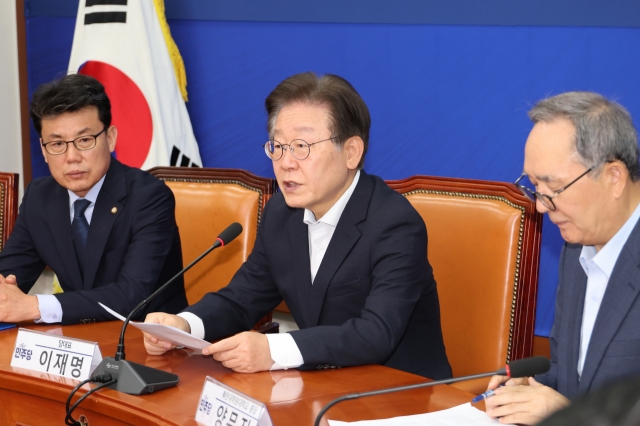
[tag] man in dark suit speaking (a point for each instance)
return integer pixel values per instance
(581, 161)
(108, 231)
(344, 251)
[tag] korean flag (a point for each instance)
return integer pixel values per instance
(127, 46)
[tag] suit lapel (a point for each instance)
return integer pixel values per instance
(344, 238)
(60, 226)
(621, 292)
(299, 241)
(573, 312)
(110, 199)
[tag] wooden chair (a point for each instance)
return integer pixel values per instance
(8, 205)
(484, 246)
(207, 201)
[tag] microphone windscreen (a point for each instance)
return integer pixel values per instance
(529, 366)
(230, 233)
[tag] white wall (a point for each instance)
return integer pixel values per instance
(10, 132)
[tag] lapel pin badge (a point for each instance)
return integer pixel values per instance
(114, 210)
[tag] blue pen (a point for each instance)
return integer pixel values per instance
(482, 396)
(5, 325)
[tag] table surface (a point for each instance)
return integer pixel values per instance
(292, 397)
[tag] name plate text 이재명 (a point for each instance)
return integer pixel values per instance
(55, 354)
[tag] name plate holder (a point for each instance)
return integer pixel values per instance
(221, 404)
(55, 354)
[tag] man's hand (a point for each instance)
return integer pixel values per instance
(524, 404)
(498, 380)
(16, 306)
(10, 279)
(155, 346)
(246, 352)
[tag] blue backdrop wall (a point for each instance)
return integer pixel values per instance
(448, 83)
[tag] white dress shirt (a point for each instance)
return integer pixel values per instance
(48, 304)
(284, 351)
(598, 266)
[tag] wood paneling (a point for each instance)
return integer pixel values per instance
(24, 93)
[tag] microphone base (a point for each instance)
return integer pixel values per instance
(135, 379)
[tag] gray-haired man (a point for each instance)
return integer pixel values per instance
(581, 167)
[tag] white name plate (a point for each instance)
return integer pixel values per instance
(55, 354)
(222, 405)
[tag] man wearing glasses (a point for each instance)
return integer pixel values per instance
(108, 231)
(581, 168)
(343, 250)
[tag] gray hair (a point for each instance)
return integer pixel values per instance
(604, 129)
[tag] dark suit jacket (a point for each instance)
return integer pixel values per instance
(614, 348)
(129, 253)
(374, 298)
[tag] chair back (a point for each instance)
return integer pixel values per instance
(484, 246)
(207, 201)
(8, 205)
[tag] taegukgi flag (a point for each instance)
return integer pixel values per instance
(127, 46)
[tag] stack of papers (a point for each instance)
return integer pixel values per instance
(464, 414)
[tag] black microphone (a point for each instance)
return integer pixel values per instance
(521, 368)
(137, 379)
(226, 236)
(525, 367)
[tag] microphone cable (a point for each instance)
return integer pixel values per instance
(104, 380)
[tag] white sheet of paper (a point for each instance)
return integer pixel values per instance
(464, 414)
(164, 332)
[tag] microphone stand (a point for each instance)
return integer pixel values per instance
(120, 351)
(137, 379)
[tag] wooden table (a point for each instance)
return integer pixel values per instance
(292, 397)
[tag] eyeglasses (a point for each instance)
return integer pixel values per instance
(546, 200)
(82, 143)
(299, 148)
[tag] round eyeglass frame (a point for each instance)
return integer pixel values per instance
(289, 147)
(95, 142)
(546, 200)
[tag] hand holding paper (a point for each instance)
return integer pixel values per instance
(157, 345)
(165, 333)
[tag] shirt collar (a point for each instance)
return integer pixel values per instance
(333, 215)
(606, 258)
(92, 195)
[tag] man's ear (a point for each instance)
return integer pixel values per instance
(112, 137)
(354, 150)
(616, 176)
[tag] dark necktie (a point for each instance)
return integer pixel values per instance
(80, 230)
